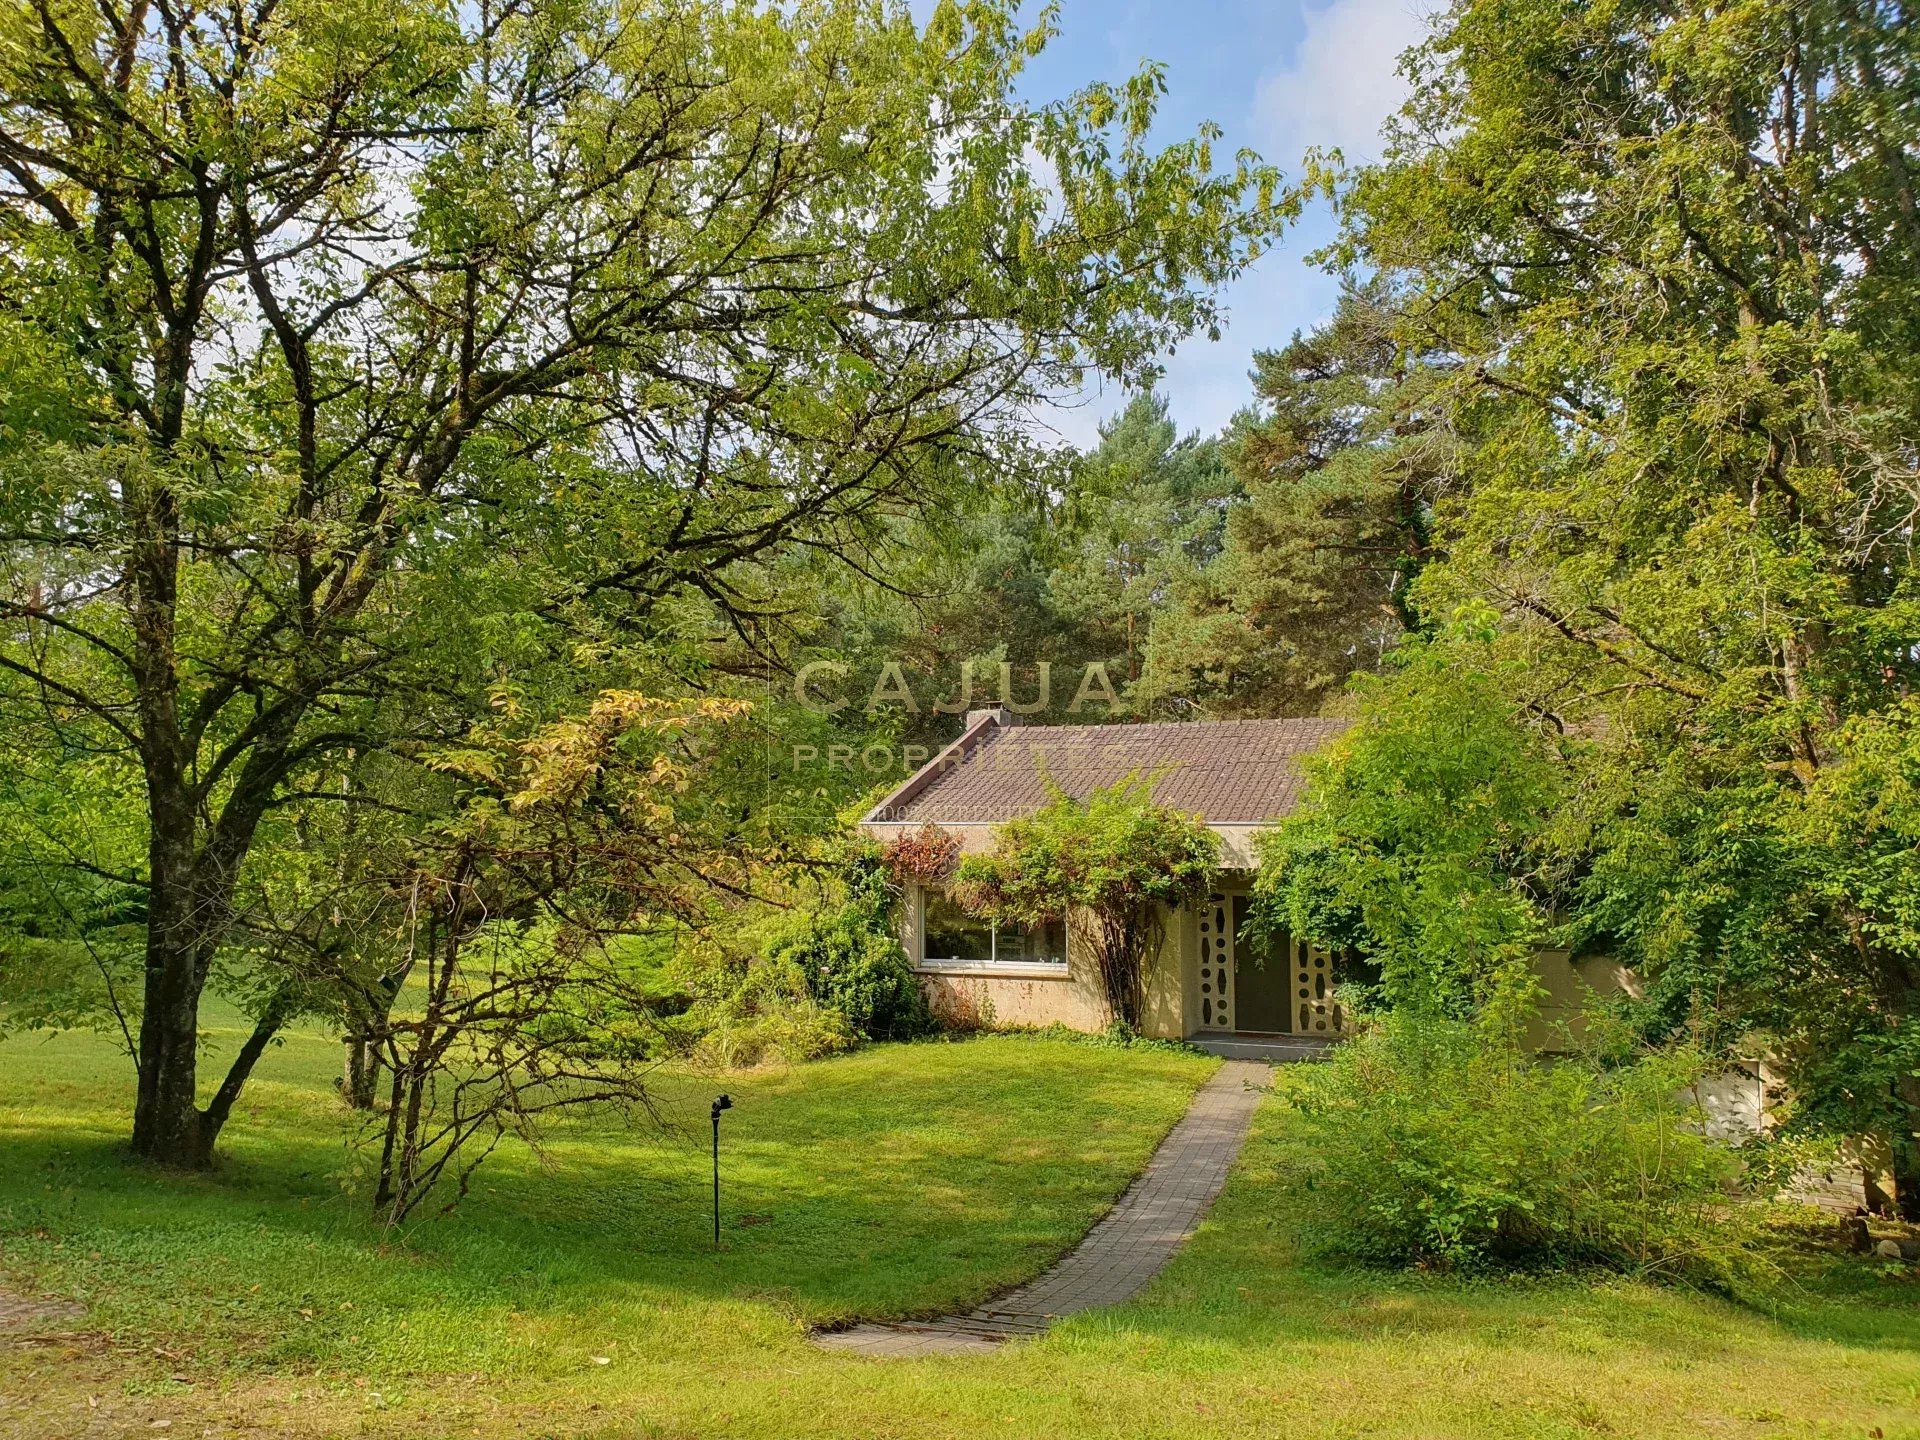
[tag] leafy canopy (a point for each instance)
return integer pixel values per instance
(1114, 851)
(1672, 256)
(362, 364)
(1419, 842)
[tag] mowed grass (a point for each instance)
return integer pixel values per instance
(900, 1180)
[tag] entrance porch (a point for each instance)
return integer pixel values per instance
(1274, 1049)
(1257, 996)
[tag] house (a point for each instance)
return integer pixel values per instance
(1209, 982)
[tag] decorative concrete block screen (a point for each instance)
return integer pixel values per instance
(1306, 1007)
(1317, 1012)
(1216, 965)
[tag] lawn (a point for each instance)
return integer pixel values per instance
(580, 1297)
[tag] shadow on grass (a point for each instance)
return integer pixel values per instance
(1301, 1303)
(863, 1185)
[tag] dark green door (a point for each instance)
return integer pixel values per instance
(1262, 976)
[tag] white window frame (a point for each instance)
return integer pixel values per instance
(938, 965)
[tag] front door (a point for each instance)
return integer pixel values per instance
(1263, 976)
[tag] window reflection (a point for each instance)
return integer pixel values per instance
(951, 936)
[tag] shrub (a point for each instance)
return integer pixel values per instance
(749, 1012)
(863, 975)
(1437, 1142)
(851, 959)
(1112, 866)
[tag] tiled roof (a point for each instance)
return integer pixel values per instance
(1223, 771)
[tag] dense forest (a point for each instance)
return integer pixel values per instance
(521, 477)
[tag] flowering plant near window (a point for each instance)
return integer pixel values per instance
(928, 855)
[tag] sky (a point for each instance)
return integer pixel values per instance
(1278, 76)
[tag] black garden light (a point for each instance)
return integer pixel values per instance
(721, 1102)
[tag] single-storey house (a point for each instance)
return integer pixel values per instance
(1211, 984)
(1209, 981)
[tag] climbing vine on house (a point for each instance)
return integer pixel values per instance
(1111, 866)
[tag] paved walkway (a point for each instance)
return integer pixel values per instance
(1127, 1248)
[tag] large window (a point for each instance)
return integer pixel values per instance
(950, 936)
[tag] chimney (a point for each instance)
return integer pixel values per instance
(1000, 716)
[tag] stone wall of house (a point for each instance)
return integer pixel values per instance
(982, 1001)
(1742, 1102)
(1737, 1104)
(1569, 985)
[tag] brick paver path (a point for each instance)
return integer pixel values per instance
(1162, 1207)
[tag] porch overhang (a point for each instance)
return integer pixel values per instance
(1237, 850)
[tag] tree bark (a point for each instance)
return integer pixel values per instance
(1906, 1153)
(166, 1117)
(214, 1118)
(1125, 943)
(360, 1071)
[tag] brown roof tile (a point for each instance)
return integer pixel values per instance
(1223, 771)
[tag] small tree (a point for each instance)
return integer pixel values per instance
(1423, 840)
(1111, 866)
(585, 829)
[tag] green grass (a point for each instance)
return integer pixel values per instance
(899, 1180)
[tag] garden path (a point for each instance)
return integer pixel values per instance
(1128, 1247)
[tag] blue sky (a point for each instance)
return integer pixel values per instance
(1277, 76)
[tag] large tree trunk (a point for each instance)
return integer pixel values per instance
(166, 1117)
(1906, 1152)
(169, 1127)
(189, 906)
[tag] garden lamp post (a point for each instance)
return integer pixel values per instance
(721, 1102)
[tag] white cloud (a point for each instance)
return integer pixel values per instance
(1333, 88)
(1342, 80)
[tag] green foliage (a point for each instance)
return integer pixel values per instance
(747, 1012)
(72, 914)
(1429, 1141)
(1671, 260)
(1792, 911)
(859, 971)
(1418, 842)
(1146, 509)
(850, 957)
(362, 371)
(1114, 849)
(1671, 253)
(1111, 866)
(1339, 465)
(1061, 559)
